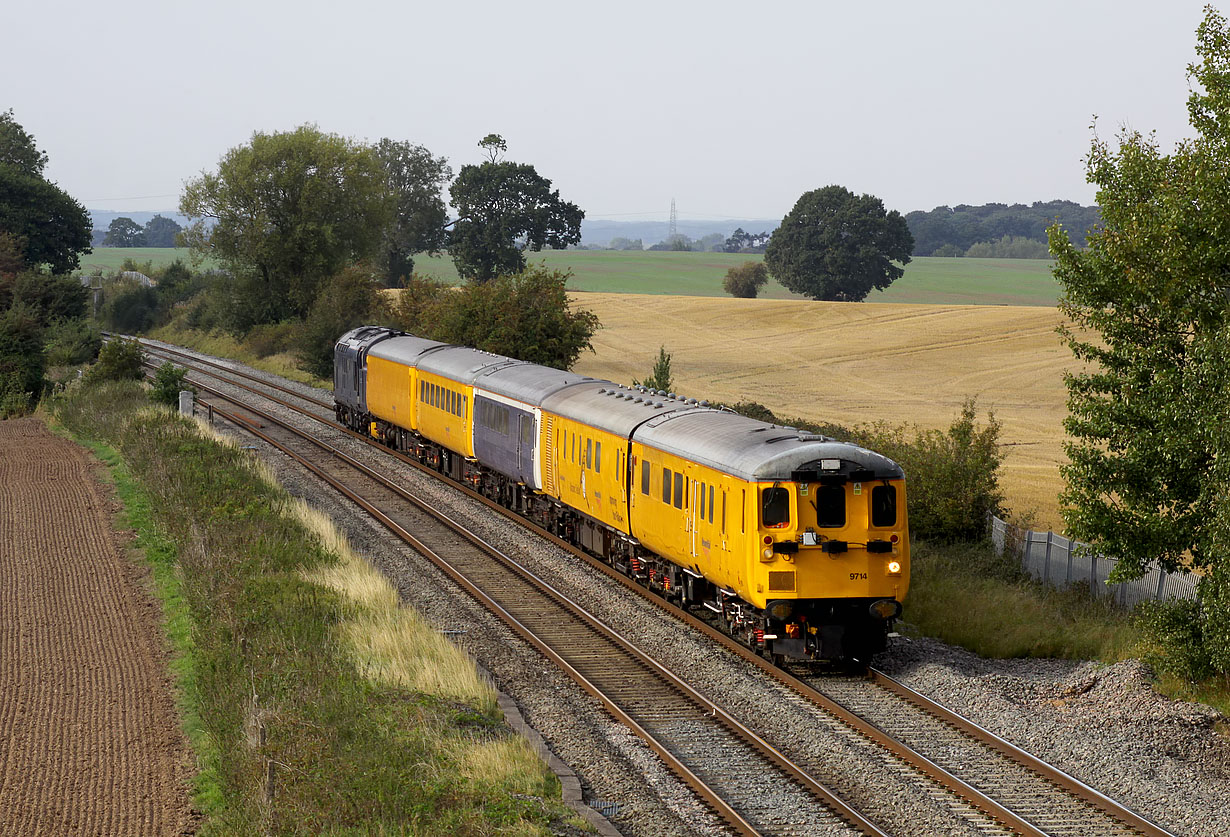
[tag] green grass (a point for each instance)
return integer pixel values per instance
(110, 259)
(940, 281)
(965, 594)
(268, 651)
(937, 281)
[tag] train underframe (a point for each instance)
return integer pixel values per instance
(844, 631)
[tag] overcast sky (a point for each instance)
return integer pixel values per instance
(732, 109)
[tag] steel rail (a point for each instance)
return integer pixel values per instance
(937, 773)
(752, 739)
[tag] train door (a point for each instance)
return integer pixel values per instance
(525, 447)
(692, 517)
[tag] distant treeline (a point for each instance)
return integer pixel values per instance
(952, 231)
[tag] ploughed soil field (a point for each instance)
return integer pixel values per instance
(854, 363)
(90, 742)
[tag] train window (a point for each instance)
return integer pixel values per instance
(884, 505)
(644, 477)
(830, 506)
(527, 431)
(598, 457)
(700, 492)
(678, 491)
(743, 511)
(574, 447)
(711, 504)
(666, 485)
(723, 512)
(589, 454)
(775, 506)
(452, 402)
(422, 390)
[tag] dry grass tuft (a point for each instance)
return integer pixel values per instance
(392, 644)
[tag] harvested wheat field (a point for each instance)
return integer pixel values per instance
(90, 741)
(852, 363)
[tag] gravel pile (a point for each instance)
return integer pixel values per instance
(1102, 724)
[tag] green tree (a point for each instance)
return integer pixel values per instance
(161, 232)
(51, 227)
(745, 281)
(289, 210)
(1149, 476)
(661, 377)
(526, 316)
(505, 208)
(17, 148)
(837, 246)
(50, 298)
(124, 232)
(420, 218)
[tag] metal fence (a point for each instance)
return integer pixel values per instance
(1058, 561)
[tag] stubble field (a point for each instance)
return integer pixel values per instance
(853, 363)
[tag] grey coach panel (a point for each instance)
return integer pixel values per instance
(461, 364)
(528, 383)
(406, 349)
(610, 407)
(753, 450)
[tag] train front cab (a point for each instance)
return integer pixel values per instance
(830, 563)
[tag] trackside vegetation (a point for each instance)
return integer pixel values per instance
(315, 704)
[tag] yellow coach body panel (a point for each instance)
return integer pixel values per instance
(390, 391)
(587, 469)
(444, 412)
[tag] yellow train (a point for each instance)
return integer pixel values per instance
(798, 542)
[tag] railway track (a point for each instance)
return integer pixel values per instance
(992, 786)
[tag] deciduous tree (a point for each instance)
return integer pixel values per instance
(52, 228)
(161, 232)
(838, 246)
(419, 220)
(289, 210)
(124, 232)
(506, 208)
(1149, 476)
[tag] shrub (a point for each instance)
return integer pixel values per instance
(130, 308)
(1175, 640)
(118, 360)
(1009, 247)
(416, 308)
(273, 338)
(72, 342)
(745, 280)
(347, 300)
(952, 476)
(949, 251)
(21, 359)
(169, 381)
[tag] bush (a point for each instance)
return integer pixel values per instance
(526, 316)
(949, 251)
(1175, 639)
(21, 359)
(661, 377)
(952, 476)
(745, 281)
(118, 360)
(169, 381)
(1009, 247)
(349, 299)
(72, 342)
(416, 308)
(129, 308)
(273, 338)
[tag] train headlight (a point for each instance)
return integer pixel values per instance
(894, 568)
(767, 555)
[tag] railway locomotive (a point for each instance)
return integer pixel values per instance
(798, 542)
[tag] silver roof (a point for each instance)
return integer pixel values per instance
(526, 382)
(406, 349)
(462, 364)
(610, 407)
(753, 450)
